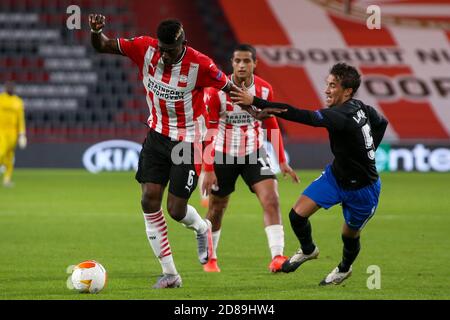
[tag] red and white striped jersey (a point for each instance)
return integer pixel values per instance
(174, 92)
(238, 133)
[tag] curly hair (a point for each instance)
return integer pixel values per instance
(347, 75)
(169, 31)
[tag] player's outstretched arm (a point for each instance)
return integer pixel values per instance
(282, 110)
(99, 41)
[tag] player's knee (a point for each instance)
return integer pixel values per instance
(271, 203)
(150, 203)
(176, 209)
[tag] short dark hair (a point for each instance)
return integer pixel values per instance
(347, 75)
(169, 31)
(246, 47)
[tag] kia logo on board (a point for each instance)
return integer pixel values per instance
(112, 155)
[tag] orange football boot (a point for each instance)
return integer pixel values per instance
(276, 263)
(211, 266)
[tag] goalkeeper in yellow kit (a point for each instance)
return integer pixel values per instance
(12, 130)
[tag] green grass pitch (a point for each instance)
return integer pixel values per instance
(55, 218)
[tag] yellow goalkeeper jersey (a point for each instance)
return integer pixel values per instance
(12, 118)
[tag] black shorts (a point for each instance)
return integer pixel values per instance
(162, 160)
(253, 168)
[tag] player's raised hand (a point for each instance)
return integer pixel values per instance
(97, 21)
(287, 170)
(100, 41)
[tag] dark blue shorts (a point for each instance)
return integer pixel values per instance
(358, 205)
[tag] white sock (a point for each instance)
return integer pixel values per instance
(156, 229)
(275, 236)
(215, 238)
(193, 221)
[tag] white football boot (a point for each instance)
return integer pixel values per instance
(205, 244)
(298, 259)
(168, 281)
(336, 277)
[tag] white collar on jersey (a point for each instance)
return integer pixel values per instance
(239, 85)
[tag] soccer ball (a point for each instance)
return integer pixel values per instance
(88, 277)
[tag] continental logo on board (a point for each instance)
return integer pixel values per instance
(413, 158)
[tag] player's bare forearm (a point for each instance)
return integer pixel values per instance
(99, 41)
(103, 44)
